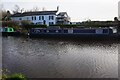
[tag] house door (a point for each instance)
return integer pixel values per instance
(44, 22)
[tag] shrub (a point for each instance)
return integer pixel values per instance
(67, 25)
(25, 23)
(9, 23)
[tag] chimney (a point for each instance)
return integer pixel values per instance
(57, 8)
(43, 9)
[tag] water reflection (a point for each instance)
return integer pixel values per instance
(51, 58)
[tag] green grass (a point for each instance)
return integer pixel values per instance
(14, 77)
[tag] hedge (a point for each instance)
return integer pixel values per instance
(34, 26)
(67, 25)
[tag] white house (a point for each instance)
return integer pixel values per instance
(38, 17)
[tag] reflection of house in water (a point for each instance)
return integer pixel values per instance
(62, 18)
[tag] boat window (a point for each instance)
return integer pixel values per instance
(65, 31)
(52, 31)
(70, 31)
(45, 31)
(6, 29)
(37, 31)
(11, 29)
(99, 31)
(105, 31)
(84, 31)
(1, 29)
(60, 31)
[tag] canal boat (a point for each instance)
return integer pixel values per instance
(8, 31)
(68, 32)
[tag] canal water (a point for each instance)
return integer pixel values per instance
(59, 58)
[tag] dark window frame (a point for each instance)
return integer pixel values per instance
(42, 17)
(27, 18)
(32, 18)
(20, 18)
(51, 23)
(51, 17)
(39, 17)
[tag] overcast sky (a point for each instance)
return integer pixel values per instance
(78, 10)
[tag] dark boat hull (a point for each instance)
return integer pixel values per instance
(76, 36)
(10, 33)
(102, 33)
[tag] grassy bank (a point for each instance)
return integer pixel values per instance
(14, 77)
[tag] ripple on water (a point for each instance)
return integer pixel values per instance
(38, 58)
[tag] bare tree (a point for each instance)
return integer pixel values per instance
(35, 9)
(30, 10)
(5, 15)
(1, 11)
(16, 9)
(22, 10)
(43, 9)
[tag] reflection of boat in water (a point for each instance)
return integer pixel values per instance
(8, 31)
(68, 32)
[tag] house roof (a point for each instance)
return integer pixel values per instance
(34, 13)
(62, 13)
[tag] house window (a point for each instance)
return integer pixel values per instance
(51, 17)
(20, 18)
(51, 23)
(32, 17)
(27, 18)
(35, 18)
(39, 17)
(42, 17)
(5, 29)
